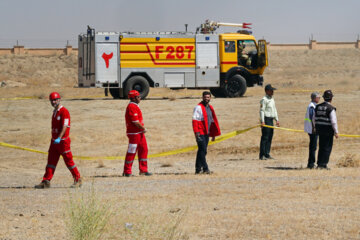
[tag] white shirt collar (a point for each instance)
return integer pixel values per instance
(134, 103)
(56, 110)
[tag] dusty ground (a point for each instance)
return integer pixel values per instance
(244, 199)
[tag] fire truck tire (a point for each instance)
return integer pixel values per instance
(115, 93)
(218, 92)
(235, 87)
(138, 83)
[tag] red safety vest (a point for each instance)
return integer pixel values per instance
(200, 121)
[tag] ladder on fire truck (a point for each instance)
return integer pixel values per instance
(88, 54)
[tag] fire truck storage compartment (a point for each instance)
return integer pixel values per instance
(179, 79)
(174, 80)
(86, 61)
(207, 60)
(107, 59)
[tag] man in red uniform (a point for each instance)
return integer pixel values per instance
(60, 144)
(205, 125)
(135, 131)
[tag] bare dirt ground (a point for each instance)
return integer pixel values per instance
(245, 198)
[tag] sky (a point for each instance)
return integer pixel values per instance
(50, 23)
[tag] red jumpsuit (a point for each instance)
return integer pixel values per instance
(137, 140)
(60, 119)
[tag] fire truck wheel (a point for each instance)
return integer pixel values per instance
(235, 87)
(217, 92)
(115, 93)
(138, 83)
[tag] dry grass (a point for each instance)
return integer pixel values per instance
(51, 71)
(244, 199)
(147, 223)
(100, 164)
(349, 160)
(92, 217)
(165, 165)
(315, 69)
(87, 216)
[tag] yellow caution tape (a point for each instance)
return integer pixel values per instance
(286, 129)
(168, 153)
(74, 97)
(347, 135)
(296, 130)
(42, 152)
(20, 148)
(232, 134)
(217, 140)
(19, 98)
(172, 152)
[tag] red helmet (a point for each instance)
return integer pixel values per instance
(54, 95)
(133, 94)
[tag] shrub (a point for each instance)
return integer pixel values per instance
(87, 216)
(349, 160)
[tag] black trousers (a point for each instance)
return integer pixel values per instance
(266, 138)
(200, 163)
(312, 150)
(325, 147)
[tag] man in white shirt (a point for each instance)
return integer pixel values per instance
(268, 113)
(326, 128)
(309, 127)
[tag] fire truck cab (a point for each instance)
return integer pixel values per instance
(225, 63)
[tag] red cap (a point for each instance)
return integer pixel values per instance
(133, 94)
(54, 95)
